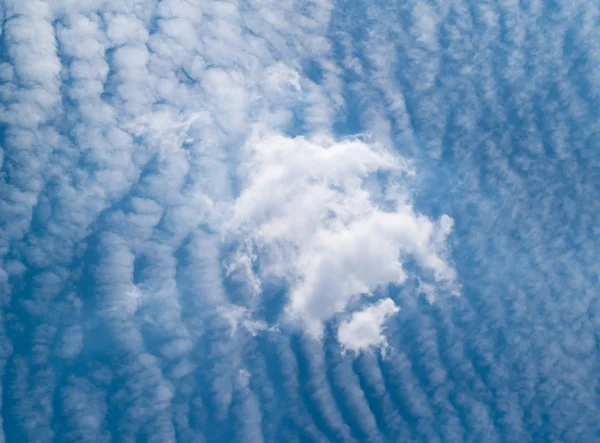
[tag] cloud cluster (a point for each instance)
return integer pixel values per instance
(306, 216)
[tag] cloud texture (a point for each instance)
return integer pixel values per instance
(215, 215)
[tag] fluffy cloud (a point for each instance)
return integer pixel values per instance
(313, 223)
(364, 329)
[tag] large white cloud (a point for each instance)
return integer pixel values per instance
(310, 215)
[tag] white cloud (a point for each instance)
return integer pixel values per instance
(321, 393)
(364, 329)
(307, 211)
(71, 342)
(425, 24)
(123, 29)
(346, 380)
(85, 408)
(240, 316)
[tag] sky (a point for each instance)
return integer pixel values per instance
(299, 221)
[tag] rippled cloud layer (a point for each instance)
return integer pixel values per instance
(299, 221)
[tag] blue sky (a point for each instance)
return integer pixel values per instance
(299, 221)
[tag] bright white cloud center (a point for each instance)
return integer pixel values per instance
(306, 216)
(364, 329)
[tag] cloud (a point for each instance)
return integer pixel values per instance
(364, 329)
(154, 194)
(71, 342)
(85, 411)
(239, 316)
(313, 222)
